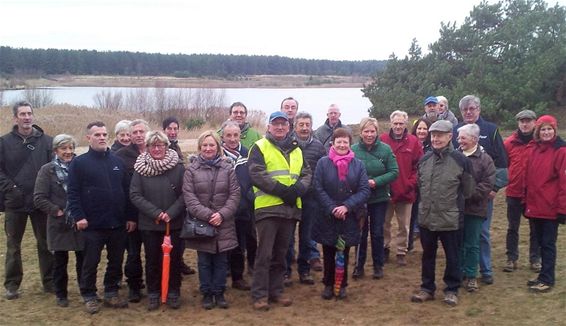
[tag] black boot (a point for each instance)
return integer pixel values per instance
(207, 301)
(221, 301)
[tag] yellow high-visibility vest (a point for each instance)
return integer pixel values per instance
(279, 169)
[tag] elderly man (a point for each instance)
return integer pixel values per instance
(280, 178)
(22, 153)
(492, 143)
(290, 106)
(447, 173)
(408, 151)
(431, 108)
(248, 135)
(518, 147)
(324, 132)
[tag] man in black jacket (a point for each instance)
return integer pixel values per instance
(22, 153)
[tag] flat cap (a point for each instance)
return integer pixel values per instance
(441, 125)
(526, 114)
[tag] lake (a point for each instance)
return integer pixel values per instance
(313, 100)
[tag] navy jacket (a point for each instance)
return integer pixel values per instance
(246, 205)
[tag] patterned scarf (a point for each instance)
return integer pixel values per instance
(62, 171)
(341, 162)
(149, 167)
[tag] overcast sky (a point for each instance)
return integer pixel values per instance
(337, 30)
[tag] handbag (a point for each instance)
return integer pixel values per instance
(194, 228)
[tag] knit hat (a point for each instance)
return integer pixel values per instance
(545, 119)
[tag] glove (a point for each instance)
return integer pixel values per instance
(290, 197)
(561, 219)
(299, 189)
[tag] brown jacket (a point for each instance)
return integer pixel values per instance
(203, 198)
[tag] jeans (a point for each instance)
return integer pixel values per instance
(376, 212)
(485, 243)
(470, 252)
(133, 268)
(247, 243)
(514, 215)
(546, 232)
(402, 210)
(95, 241)
(15, 226)
(329, 253)
(451, 243)
(309, 212)
(60, 275)
(212, 271)
(152, 241)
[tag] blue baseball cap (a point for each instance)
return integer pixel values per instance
(276, 115)
(431, 99)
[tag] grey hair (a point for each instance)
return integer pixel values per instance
(403, 114)
(63, 139)
(470, 129)
(229, 123)
(441, 98)
(20, 104)
(156, 136)
(303, 115)
(334, 106)
(139, 122)
(122, 125)
(466, 100)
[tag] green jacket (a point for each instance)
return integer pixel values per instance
(249, 136)
(381, 166)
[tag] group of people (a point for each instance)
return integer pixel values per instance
(437, 176)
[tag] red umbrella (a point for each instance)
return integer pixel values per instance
(166, 247)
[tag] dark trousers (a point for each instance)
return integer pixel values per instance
(212, 269)
(247, 244)
(514, 216)
(376, 219)
(546, 232)
(15, 226)
(133, 268)
(413, 225)
(451, 241)
(152, 241)
(329, 257)
(60, 275)
(273, 234)
(308, 215)
(95, 241)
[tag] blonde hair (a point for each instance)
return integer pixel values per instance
(214, 136)
(156, 136)
(369, 122)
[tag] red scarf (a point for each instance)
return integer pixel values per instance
(341, 162)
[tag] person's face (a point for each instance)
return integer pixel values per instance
(526, 125)
(431, 109)
(470, 113)
(238, 115)
(65, 152)
(157, 150)
(333, 116)
(124, 138)
(278, 128)
(440, 140)
(290, 108)
(209, 148)
(172, 131)
(231, 137)
(97, 138)
(422, 131)
(546, 132)
(341, 145)
(466, 141)
(303, 128)
(138, 134)
(24, 118)
(398, 125)
(369, 134)
(442, 106)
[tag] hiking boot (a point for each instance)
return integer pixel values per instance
(221, 301)
(342, 294)
(153, 302)
(316, 264)
(358, 273)
(115, 302)
(92, 306)
(62, 302)
(540, 288)
(328, 292)
(134, 295)
(401, 261)
(472, 285)
(533, 281)
(187, 270)
(451, 299)
(487, 279)
(12, 294)
(377, 273)
(261, 304)
(510, 266)
(536, 267)
(287, 281)
(174, 301)
(207, 301)
(306, 279)
(241, 284)
(283, 300)
(422, 296)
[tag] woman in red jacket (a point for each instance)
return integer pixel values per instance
(545, 197)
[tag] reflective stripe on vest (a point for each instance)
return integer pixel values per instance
(279, 169)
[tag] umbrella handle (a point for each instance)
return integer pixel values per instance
(167, 229)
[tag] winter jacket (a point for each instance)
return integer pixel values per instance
(445, 181)
(545, 180)
(246, 205)
(174, 145)
(518, 153)
(483, 171)
(381, 166)
(116, 147)
(49, 196)
(129, 154)
(156, 194)
(408, 151)
(248, 136)
(446, 115)
(313, 150)
(98, 191)
(324, 133)
(20, 160)
(331, 193)
(203, 197)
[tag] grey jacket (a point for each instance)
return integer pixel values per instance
(484, 175)
(324, 133)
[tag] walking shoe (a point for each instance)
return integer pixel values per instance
(316, 264)
(487, 279)
(62, 302)
(377, 273)
(241, 284)
(422, 296)
(283, 300)
(342, 294)
(401, 261)
(472, 285)
(12, 294)
(261, 304)
(510, 266)
(306, 279)
(207, 301)
(451, 299)
(533, 281)
(358, 273)
(187, 270)
(221, 301)
(153, 302)
(173, 301)
(92, 306)
(386, 252)
(115, 302)
(287, 281)
(536, 267)
(540, 288)
(328, 292)
(134, 295)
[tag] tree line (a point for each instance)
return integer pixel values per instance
(92, 62)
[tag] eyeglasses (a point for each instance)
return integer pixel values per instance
(280, 124)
